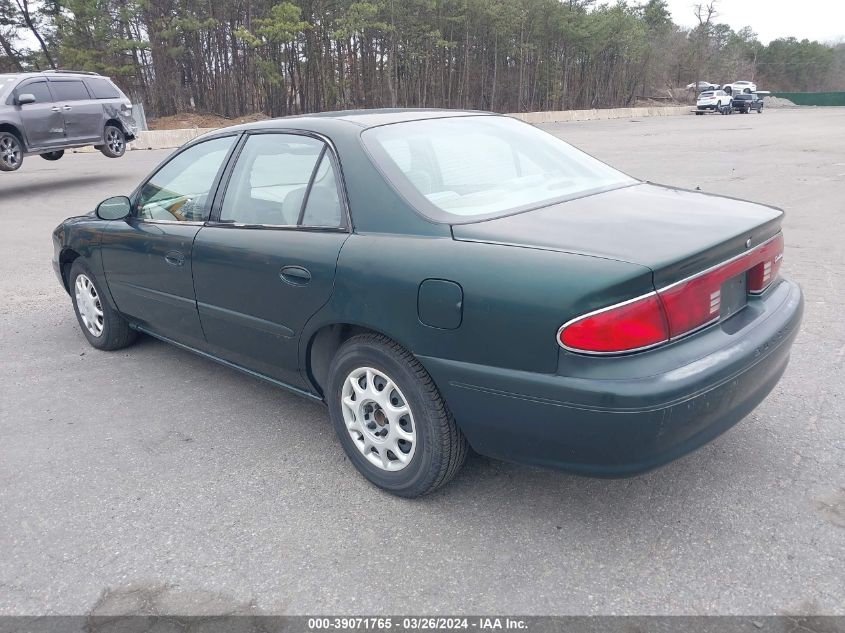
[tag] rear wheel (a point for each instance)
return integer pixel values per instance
(115, 142)
(53, 155)
(391, 419)
(11, 152)
(101, 324)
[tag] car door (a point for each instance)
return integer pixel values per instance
(83, 115)
(43, 123)
(266, 261)
(147, 257)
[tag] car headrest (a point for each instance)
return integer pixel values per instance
(293, 204)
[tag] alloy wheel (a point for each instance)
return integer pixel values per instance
(114, 140)
(378, 419)
(10, 152)
(89, 306)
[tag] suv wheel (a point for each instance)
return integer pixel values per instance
(53, 155)
(115, 142)
(11, 152)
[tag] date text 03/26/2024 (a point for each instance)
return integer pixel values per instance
(417, 623)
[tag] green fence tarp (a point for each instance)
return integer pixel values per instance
(814, 98)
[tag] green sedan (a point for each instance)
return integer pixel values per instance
(444, 280)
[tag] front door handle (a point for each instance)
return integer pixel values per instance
(174, 258)
(295, 275)
(56, 109)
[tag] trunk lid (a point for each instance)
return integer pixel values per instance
(674, 232)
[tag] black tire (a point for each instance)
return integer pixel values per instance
(53, 155)
(697, 112)
(11, 152)
(440, 448)
(760, 110)
(114, 142)
(116, 332)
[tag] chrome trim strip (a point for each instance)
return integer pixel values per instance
(719, 265)
(657, 293)
(599, 311)
(153, 221)
(291, 227)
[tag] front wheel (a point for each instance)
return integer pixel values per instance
(391, 420)
(101, 324)
(11, 152)
(115, 142)
(53, 155)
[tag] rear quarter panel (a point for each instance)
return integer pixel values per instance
(514, 299)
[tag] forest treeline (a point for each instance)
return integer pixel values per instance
(234, 57)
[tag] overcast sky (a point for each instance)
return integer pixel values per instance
(822, 20)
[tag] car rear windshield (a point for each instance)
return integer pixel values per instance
(706, 94)
(464, 168)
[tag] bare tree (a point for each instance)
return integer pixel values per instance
(25, 8)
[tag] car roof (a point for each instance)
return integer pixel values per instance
(51, 74)
(360, 118)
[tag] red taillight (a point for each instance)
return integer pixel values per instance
(765, 272)
(673, 311)
(629, 326)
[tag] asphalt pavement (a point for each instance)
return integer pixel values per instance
(152, 479)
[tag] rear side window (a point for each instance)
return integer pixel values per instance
(38, 89)
(102, 88)
(283, 180)
(73, 90)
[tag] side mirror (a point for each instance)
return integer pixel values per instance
(115, 208)
(26, 98)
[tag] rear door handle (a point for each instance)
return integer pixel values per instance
(295, 275)
(174, 258)
(67, 107)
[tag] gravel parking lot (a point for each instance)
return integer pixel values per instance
(153, 479)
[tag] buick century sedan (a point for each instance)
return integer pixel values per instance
(445, 279)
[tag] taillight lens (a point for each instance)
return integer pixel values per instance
(623, 328)
(673, 311)
(764, 273)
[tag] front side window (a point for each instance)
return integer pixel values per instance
(464, 168)
(181, 190)
(283, 180)
(73, 90)
(37, 89)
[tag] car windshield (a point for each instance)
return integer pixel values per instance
(472, 166)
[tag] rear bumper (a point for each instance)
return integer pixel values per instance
(621, 416)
